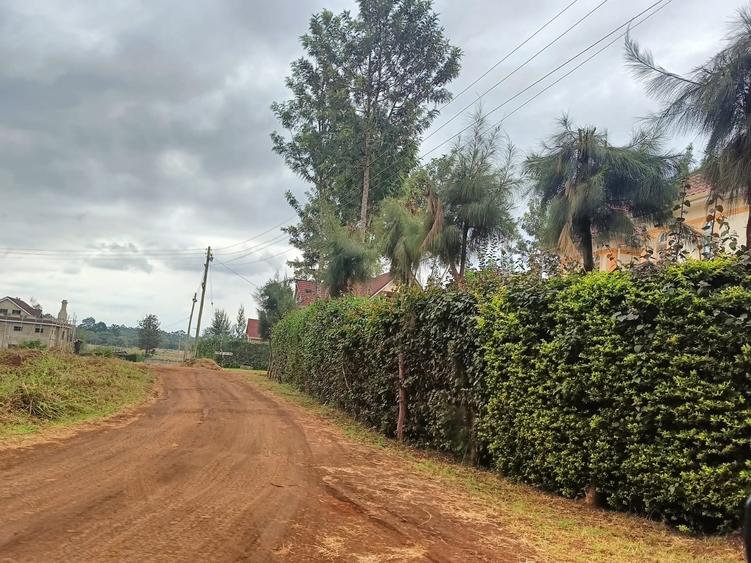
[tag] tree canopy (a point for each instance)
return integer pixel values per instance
(149, 335)
(275, 299)
(362, 94)
(220, 324)
(588, 186)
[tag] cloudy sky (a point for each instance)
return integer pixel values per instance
(135, 133)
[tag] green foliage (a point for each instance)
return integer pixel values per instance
(344, 352)
(587, 185)
(275, 299)
(636, 383)
(475, 186)
(149, 335)
(121, 336)
(220, 325)
(241, 324)
(360, 100)
(252, 355)
(348, 258)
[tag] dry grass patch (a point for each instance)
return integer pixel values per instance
(45, 388)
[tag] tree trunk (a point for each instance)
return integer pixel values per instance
(365, 185)
(401, 419)
(462, 259)
(587, 251)
(748, 226)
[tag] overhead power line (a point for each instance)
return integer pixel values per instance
(518, 68)
(539, 80)
(507, 55)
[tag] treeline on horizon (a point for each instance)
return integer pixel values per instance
(121, 336)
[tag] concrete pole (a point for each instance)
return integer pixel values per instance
(190, 322)
(209, 258)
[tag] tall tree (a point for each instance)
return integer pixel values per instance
(361, 97)
(275, 299)
(241, 324)
(475, 185)
(149, 334)
(220, 324)
(714, 99)
(587, 186)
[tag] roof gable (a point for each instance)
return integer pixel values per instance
(23, 306)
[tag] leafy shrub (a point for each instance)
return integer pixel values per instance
(252, 355)
(344, 352)
(635, 383)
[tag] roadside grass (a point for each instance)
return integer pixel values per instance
(558, 529)
(43, 389)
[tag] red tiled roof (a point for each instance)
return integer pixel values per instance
(307, 291)
(698, 185)
(253, 330)
(372, 286)
(25, 306)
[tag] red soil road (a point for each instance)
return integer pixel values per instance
(217, 469)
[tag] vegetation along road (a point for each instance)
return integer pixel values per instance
(220, 468)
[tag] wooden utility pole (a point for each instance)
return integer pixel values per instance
(209, 258)
(190, 322)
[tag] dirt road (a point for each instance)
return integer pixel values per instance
(217, 469)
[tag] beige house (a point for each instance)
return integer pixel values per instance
(608, 256)
(21, 323)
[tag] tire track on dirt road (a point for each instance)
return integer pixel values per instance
(218, 470)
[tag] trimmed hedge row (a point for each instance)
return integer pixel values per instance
(253, 355)
(635, 384)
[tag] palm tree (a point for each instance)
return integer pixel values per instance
(587, 186)
(714, 99)
(474, 190)
(347, 257)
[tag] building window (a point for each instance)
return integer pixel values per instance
(39, 330)
(16, 312)
(3, 311)
(17, 328)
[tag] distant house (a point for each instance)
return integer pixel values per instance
(253, 331)
(308, 291)
(21, 323)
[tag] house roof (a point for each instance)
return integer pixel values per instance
(372, 286)
(253, 329)
(25, 307)
(698, 185)
(308, 291)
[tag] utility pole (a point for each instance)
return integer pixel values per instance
(190, 322)
(209, 258)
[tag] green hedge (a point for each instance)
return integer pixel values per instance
(634, 383)
(252, 355)
(344, 352)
